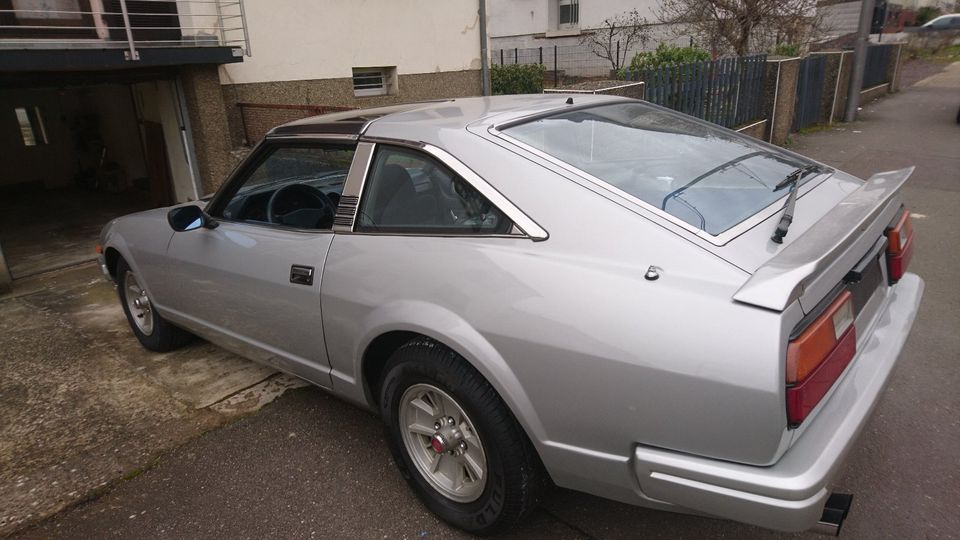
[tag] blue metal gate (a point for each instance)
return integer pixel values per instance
(876, 71)
(809, 91)
(728, 91)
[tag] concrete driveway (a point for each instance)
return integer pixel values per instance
(309, 465)
(82, 404)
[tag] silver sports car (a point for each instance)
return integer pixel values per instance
(586, 290)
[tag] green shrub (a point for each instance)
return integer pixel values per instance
(785, 49)
(666, 55)
(517, 79)
(927, 14)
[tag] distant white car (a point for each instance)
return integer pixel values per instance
(950, 21)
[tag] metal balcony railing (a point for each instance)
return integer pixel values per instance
(123, 24)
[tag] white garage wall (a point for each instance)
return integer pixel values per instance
(519, 17)
(299, 40)
(157, 102)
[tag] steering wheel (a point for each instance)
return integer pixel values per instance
(305, 197)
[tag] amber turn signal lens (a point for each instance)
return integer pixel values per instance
(899, 246)
(811, 348)
(99, 249)
(899, 233)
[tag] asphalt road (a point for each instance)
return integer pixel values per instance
(309, 465)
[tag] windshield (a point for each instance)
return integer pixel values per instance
(703, 175)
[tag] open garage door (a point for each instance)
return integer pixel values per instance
(76, 155)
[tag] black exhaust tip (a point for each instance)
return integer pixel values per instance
(835, 511)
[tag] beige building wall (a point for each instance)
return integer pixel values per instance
(304, 53)
(294, 40)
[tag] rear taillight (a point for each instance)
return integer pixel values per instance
(817, 357)
(899, 246)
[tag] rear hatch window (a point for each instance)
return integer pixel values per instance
(708, 177)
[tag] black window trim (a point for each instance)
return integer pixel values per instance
(524, 226)
(512, 231)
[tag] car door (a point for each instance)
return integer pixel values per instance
(252, 283)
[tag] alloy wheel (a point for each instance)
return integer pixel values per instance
(442, 442)
(141, 310)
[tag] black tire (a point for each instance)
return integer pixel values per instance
(164, 336)
(515, 475)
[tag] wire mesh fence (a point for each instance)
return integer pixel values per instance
(565, 64)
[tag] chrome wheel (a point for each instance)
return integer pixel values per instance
(442, 442)
(138, 303)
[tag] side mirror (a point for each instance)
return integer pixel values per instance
(188, 218)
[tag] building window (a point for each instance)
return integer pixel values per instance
(568, 14)
(32, 129)
(380, 81)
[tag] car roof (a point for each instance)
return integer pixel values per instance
(944, 16)
(425, 121)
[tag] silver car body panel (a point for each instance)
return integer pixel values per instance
(855, 223)
(232, 285)
(790, 494)
(668, 393)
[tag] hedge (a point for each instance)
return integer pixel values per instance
(517, 79)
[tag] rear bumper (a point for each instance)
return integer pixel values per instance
(790, 494)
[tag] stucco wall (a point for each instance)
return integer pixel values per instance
(840, 19)
(518, 17)
(876, 92)
(780, 97)
(339, 92)
(208, 121)
(295, 40)
(757, 130)
(836, 80)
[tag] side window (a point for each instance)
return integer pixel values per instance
(409, 192)
(292, 186)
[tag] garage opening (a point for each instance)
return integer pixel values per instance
(76, 156)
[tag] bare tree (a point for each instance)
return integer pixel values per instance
(739, 25)
(616, 36)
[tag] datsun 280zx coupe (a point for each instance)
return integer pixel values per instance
(586, 290)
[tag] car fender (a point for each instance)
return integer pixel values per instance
(445, 326)
(135, 238)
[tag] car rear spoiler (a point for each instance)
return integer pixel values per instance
(783, 279)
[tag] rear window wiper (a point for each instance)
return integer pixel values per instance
(791, 180)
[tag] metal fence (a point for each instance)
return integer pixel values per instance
(728, 91)
(813, 70)
(124, 24)
(878, 62)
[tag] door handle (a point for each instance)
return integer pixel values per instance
(301, 275)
